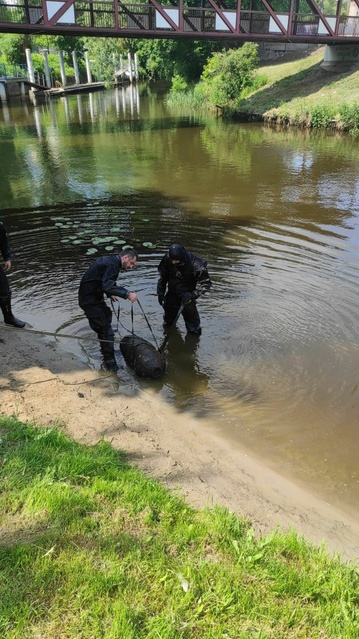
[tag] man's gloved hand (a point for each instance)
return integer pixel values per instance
(188, 296)
(161, 299)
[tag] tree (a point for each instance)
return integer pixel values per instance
(13, 48)
(164, 59)
(104, 54)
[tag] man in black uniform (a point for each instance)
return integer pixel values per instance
(5, 292)
(186, 277)
(99, 280)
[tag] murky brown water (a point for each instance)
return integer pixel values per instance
(276, 214)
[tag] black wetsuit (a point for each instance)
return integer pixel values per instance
(190, 276)
(6, 254)
(99, 281)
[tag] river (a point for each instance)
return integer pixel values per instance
(276, 214)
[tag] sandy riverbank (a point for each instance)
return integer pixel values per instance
(42, 382)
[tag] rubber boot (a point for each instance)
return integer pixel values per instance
(108, 352)
(9, 318)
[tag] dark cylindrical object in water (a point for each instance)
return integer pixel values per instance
(142, 356)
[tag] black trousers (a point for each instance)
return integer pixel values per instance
(5, 292)
(190, 313)
(99, 317)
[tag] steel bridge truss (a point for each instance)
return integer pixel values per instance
(302, 21)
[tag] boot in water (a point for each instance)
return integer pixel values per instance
(9, 317)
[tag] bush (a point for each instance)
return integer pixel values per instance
(228, 73)
(179, 84)
(321, 117)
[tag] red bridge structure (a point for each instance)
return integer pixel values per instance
(306, 21)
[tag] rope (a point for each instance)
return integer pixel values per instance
(111, 341)
(32, 330)
(148, 324)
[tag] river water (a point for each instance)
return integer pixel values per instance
(275, 213)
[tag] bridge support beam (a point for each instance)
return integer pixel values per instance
(340, 55)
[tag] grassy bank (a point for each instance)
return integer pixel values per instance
(298, 92)
(303, 93)
(91, 548)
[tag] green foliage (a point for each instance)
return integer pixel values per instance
(12, 48)
(179, 84)
(67, 44)
(104, 54)
(227, 73)
(349, 116)
(54, 64)
(164, 59)
(322, 116)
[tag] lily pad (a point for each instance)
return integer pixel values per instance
(149, 245)
(127, 246)
(77, 242)
(120, 242)
(108, 248)
(91, 251)
(64, 241)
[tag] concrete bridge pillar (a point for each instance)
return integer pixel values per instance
(76, 67)
(62, 68)
(340, 55)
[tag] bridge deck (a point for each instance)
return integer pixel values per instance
(226, 19)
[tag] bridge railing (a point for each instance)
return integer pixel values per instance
(110, 14)
(13, 71)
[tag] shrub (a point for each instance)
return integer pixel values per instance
(227, 73)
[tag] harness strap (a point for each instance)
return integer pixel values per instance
(148, 324)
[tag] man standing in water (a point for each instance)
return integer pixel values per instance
(186, 277)
(98, 281)
(5, 292)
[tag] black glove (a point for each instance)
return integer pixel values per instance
(161, 299)
(188, 296)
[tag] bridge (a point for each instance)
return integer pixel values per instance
(297, 21)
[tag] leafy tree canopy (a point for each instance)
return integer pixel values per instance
(164, 59)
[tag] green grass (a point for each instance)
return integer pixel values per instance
(92, 549)
(303, 93)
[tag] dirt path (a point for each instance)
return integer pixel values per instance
(41, 382)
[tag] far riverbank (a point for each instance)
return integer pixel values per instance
(302, 92)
